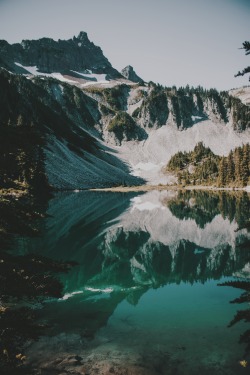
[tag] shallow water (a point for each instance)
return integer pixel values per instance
(144, 297)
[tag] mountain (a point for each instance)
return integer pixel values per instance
(161, 121)
(129, 73)
(62, 56)
(70, 119)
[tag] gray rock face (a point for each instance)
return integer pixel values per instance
(62, 56)
(129, 73)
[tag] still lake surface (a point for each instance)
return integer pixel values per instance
(144, 294)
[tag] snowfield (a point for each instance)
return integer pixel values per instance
(33, 70)
(93, 78)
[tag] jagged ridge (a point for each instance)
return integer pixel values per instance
(61, 56)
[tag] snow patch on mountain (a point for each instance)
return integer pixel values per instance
(34, 71)
(94, 78)
(195, 118)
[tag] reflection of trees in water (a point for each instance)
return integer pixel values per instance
(241, 315)
(203, 206)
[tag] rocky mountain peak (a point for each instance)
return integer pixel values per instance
(83, 36)
(63, 56)
(129, 73)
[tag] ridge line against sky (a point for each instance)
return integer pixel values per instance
(171, 42)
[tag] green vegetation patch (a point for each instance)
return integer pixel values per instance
(123, 125)
(202, 166)
(114, 95)
(121, 121)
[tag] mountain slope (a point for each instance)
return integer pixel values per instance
(70, 157)
(171, 120)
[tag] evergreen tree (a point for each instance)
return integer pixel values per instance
(245, 166)
(202, 166)
(222, 176)
(230, 168)
(238, 164)
(246, 47)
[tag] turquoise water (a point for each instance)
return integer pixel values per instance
(144, 295)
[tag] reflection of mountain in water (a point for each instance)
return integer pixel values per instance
(126, 244)
(146, 245)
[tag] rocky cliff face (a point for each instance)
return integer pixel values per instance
(129, 73)
(187, 106)
(62, 56)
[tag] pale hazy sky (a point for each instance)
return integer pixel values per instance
(167, 41)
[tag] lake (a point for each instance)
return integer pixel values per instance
(144, 296)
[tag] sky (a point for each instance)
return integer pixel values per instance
(171, 42)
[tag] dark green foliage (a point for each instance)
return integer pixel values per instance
(197, 166)
(77, 101)
(106, 111)
(183, 107)
(122, 124)
(218, 104)
(240, 113)
(178, 161)
(246, 47)
(21, 141)
(189, 101)
(242, 315)
(136, 112)
(195, 205)
(201, 166)
(121, 121)
(202, 206)
(234, 170)
(115, 97)
(156, 104)
(222, 176)
(184, 103)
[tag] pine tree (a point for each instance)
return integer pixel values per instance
(246, 47)
(230, 168)
(245, 166)
(222, 176)
(238, 155)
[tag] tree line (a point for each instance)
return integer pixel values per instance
(202, 166)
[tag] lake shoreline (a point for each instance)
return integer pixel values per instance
(145, 188)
